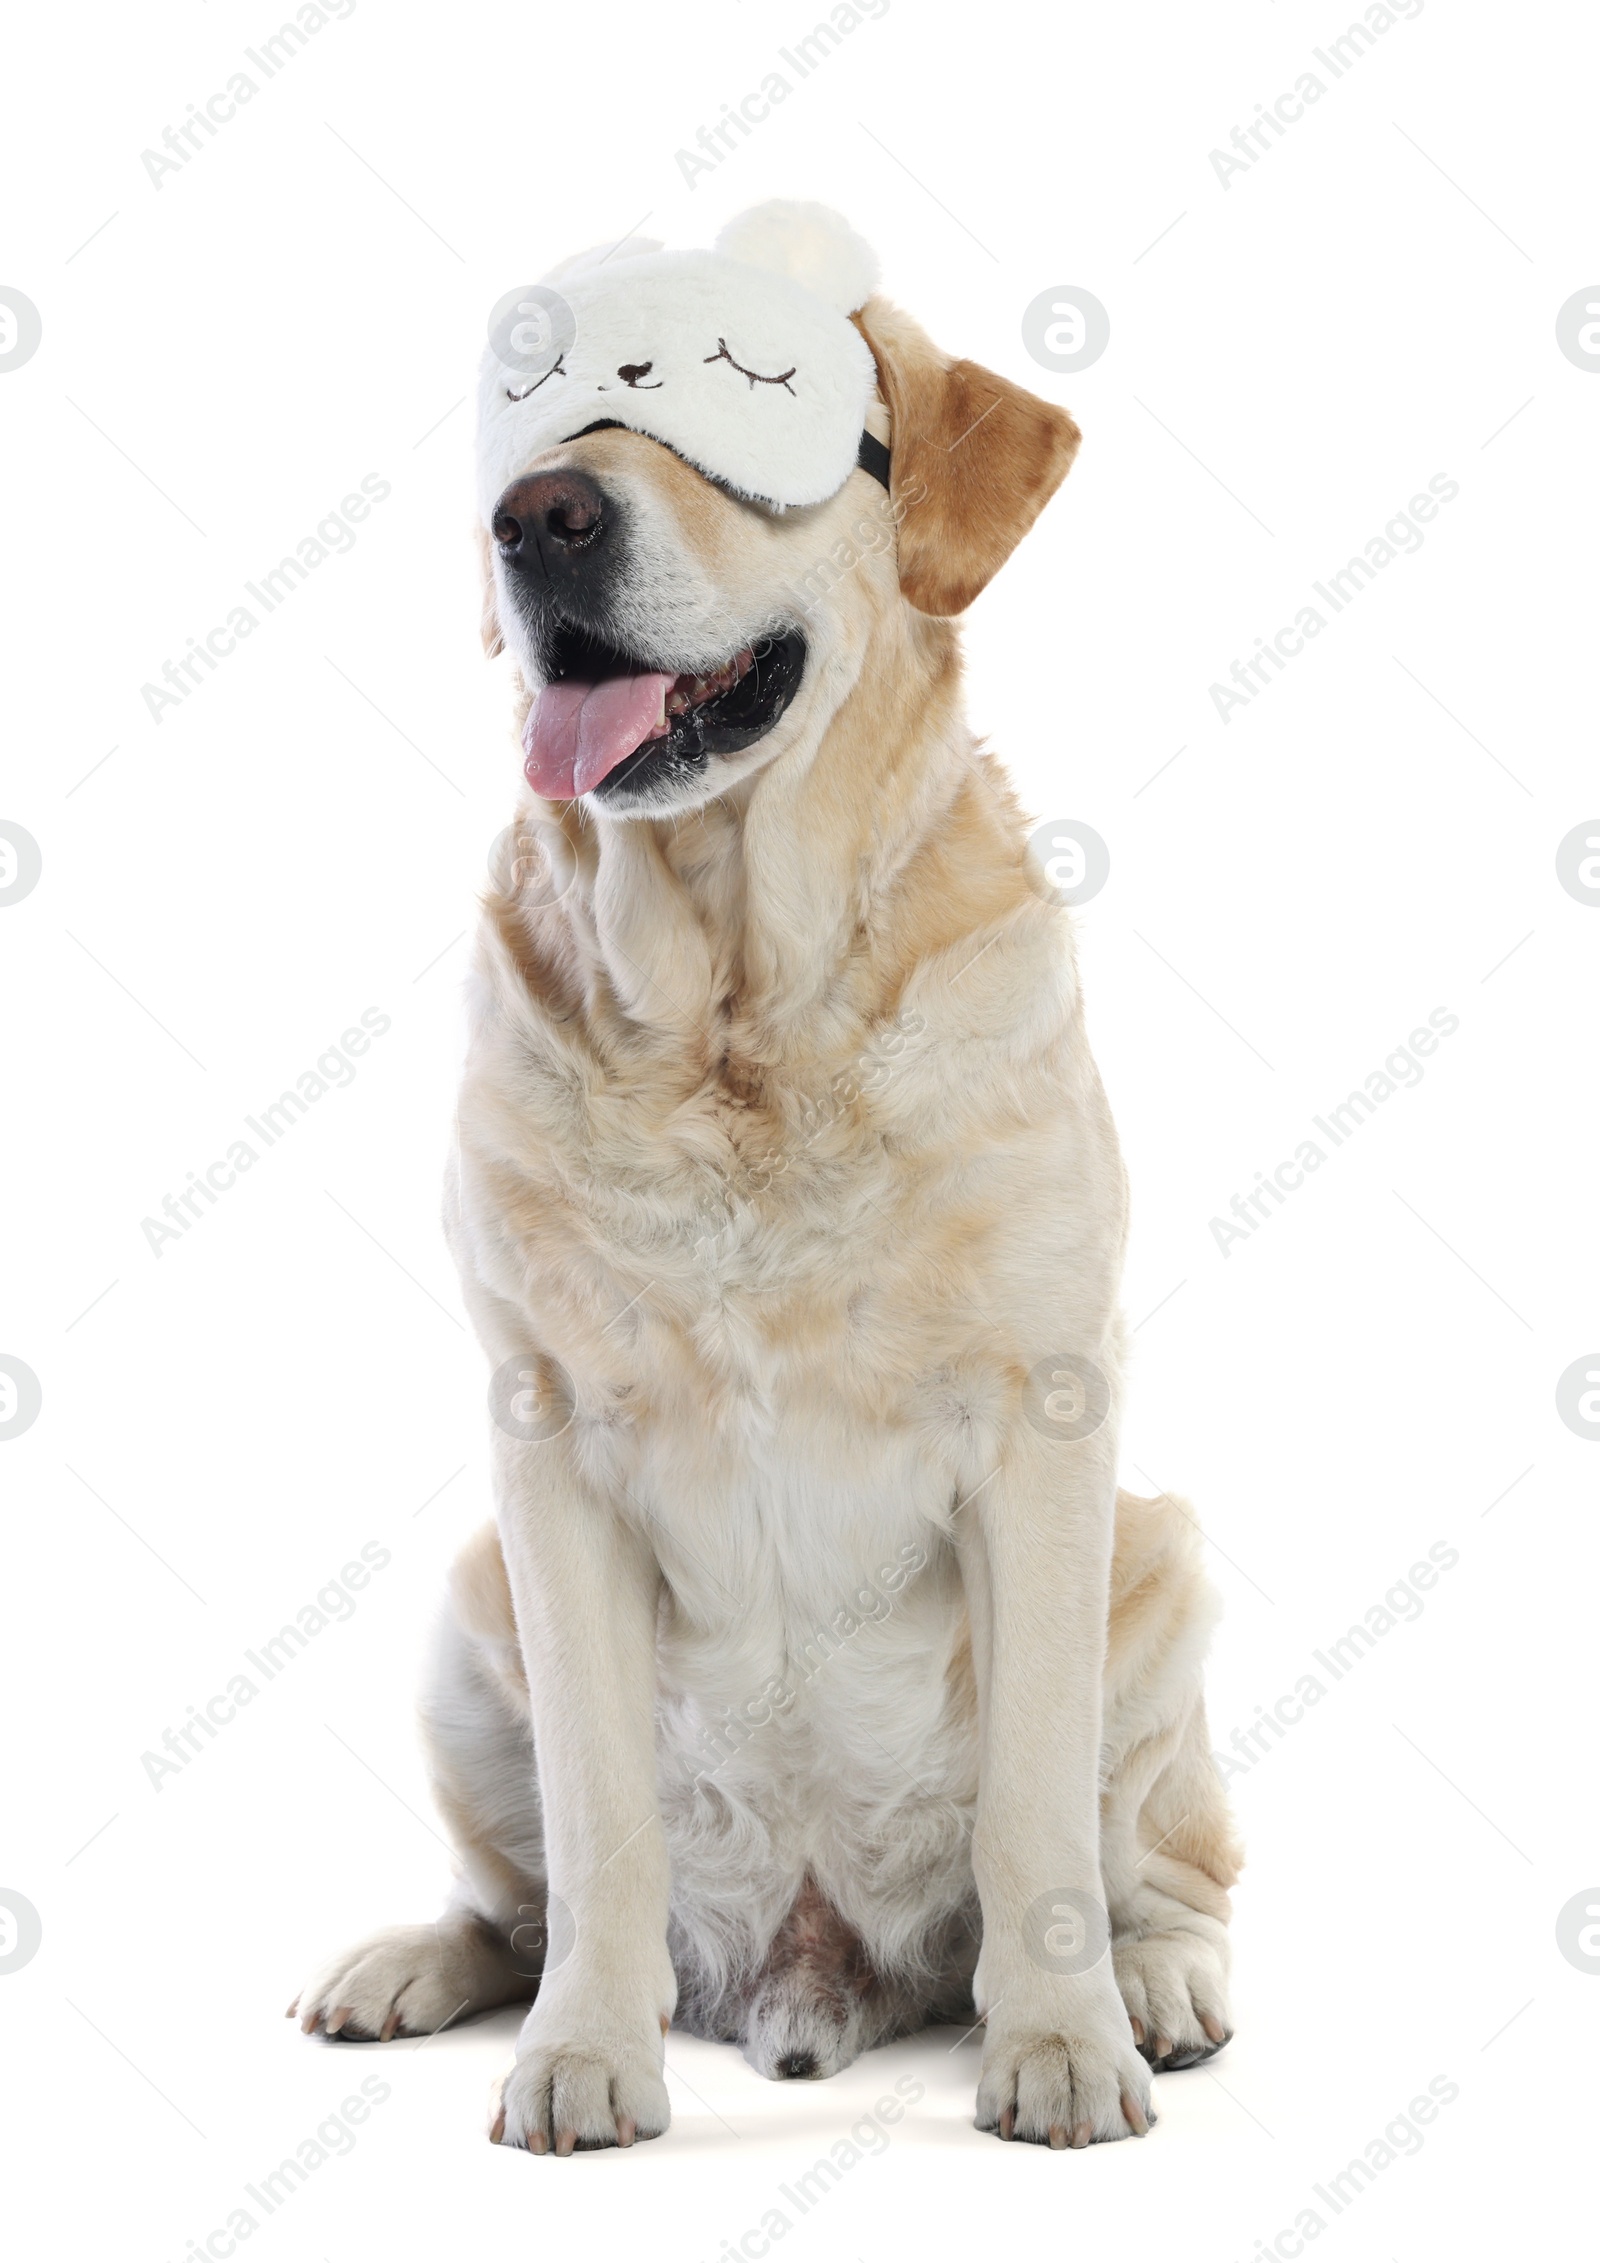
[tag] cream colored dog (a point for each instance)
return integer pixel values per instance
(815, 1681)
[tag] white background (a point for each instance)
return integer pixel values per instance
(1292, 357)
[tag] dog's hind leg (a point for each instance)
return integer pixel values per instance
(490, 1945)
(1168, 1851)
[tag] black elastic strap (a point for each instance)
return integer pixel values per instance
(873, 457)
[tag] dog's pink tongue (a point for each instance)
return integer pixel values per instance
(576, 734)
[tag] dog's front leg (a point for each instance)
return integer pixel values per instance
(1059, 2063)
(585, 1586)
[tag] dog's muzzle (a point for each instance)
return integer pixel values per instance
(607, 720)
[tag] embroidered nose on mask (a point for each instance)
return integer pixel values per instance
(632, 371)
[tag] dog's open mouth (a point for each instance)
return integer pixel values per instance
(605, 719)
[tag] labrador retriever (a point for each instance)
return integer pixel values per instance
(814, 1681)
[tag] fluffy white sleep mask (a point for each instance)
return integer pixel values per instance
(742, 359)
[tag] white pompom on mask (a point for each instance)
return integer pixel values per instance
(742, 360)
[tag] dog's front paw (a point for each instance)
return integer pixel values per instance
(585, 2081)
(1074, 2085)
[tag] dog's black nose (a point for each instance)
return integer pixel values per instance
(797, 2066)
(549, 520)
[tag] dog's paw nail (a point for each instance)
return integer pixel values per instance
(538, 2142)
(665, 2023)
(1008, 2121)
(1133, 2115)
(293, 2008)
(627, 2130)
(386, 2032)
(1214, 2028)
(566, 2141)
(308, 2025)
(1163, 2047)
(499, 2129)
(337, 2018)
(1138, 2028)
(1058, 2137)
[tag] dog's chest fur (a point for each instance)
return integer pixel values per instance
(756, 1237)
(760, 1336)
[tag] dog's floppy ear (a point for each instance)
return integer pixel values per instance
(973, 461)
(489, 618)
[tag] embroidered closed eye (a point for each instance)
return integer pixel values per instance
(754, 375)
(555, 370)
